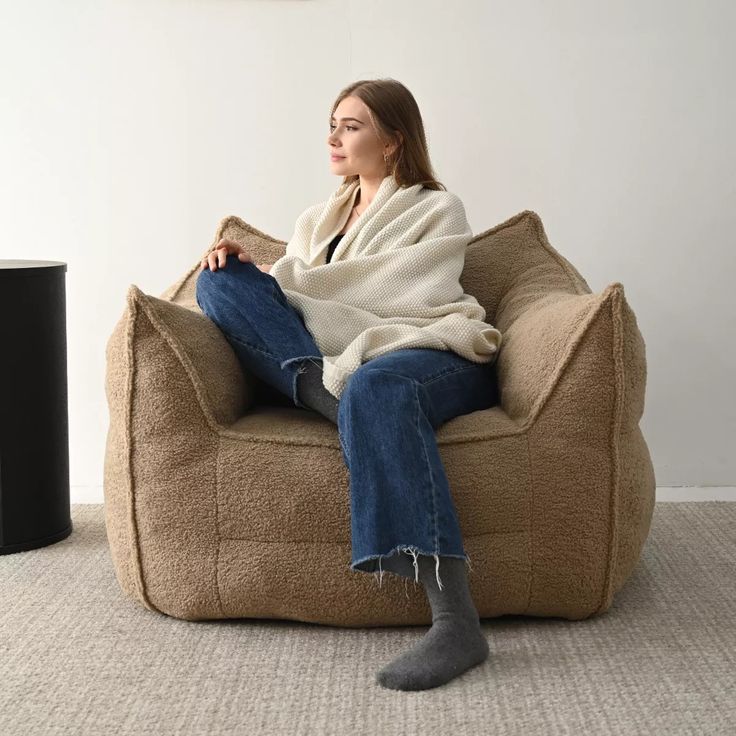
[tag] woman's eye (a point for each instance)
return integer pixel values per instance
(349, 127)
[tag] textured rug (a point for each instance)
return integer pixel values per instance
(78, 657)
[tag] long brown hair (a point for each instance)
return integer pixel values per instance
(392, 108)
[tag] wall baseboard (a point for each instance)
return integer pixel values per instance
(678, 494)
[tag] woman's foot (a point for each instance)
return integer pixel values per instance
(447, 650)
(454, 643)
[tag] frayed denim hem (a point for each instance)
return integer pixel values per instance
(370, 563)
(300, 369)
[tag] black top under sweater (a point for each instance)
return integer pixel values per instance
(333, 245)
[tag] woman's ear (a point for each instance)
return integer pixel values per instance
(397, 145)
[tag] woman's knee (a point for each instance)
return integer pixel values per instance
(204, 287)
(233, 278)
(377, 389)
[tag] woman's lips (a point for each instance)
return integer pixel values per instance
(336, 158)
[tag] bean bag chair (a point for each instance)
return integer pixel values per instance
(225, 500)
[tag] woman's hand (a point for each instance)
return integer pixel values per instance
(222, 250)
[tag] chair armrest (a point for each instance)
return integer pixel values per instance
(201, 366)
(566, 350)
(172, 381)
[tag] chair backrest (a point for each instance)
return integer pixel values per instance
(512, 266)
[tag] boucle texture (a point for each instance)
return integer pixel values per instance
(219, 504)
(393, 281)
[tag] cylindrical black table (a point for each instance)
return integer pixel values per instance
(34, 414)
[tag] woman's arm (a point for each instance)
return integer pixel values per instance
(265, 267)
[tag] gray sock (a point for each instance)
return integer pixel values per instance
(454, 643)
(311, 390)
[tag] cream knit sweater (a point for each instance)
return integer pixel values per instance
(392, 283)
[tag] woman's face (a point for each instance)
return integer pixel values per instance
(355, 141)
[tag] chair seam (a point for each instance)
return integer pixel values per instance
(530, 569)
(218, 548)
(140, 581)
(615, 437)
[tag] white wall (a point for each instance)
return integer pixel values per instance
(129, 128)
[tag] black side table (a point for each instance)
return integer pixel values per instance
(34, 414)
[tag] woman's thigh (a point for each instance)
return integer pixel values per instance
(449, 384)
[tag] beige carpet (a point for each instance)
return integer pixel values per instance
(79, 658)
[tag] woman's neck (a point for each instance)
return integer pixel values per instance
(367, 191)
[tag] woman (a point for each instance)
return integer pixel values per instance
(364, 321)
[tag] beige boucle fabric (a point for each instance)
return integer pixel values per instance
(393, 281)
(220, 505)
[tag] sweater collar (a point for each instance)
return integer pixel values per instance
(336, 212)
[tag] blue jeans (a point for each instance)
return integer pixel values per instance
(400, 499)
